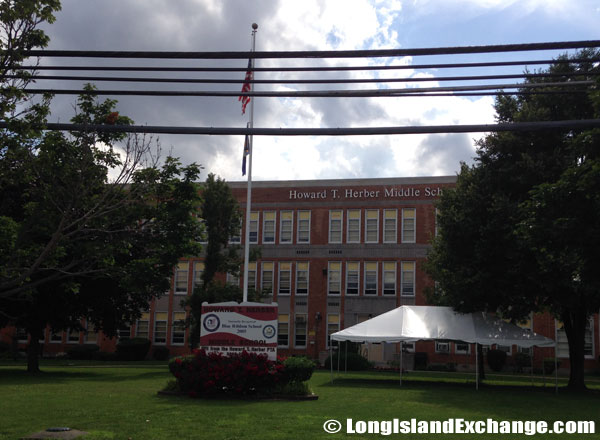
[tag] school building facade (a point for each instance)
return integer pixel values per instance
(333, 253)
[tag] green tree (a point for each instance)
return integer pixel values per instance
(520, 231)
(78, 244)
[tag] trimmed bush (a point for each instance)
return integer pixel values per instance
(356, 362)
(133, 349)
(206, 374)
(82, 352)
(549, 365)
(420, 360)
(160, 353)
(522, 360)
(496, 359)
(104, 356)
(298, 369)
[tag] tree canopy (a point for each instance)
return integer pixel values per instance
(520, 233)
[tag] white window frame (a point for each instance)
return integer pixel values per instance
(332, 327)
(330, 281)
(338, 223)
(68, 336)
(404, 227)
(385, 222)
(366, 269)
(394, 271)
(254, 227)
(145, 319)
(462, 352)
(442, 347)
(305, 324)
(280, 322)
(367, 229)
(289, 281)
(282, 222)
(252, 278)
(299, 269)
(300, 227)
(349, 228)
(156, 330)
(414, 280)
(178, 270)
(177, 329)
(266, 221)
(262, 275)
(357, 271)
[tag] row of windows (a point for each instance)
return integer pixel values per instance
(159, 334)
(356, 279)
(300, 329)
(360, 226)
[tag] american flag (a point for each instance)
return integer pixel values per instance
(246, 87)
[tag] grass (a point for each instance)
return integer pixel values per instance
(121, 402)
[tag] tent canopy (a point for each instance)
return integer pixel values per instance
(416, 323)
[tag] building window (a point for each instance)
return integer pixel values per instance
(372, 226)
(408, 347)
(90, 333)
(286, 227)
(505, 348)
(178, 328)
(442, 347)
(237, 238)
(370, 278)
(72, 336)
(266, 281)
(283, 330)
(352, 277)
(203, 239)
(253, 235)
(55, 337)
(389, 278)
(462, 348)
(124, 331)
(141, 328)
(334, 278)
(198, 270)
(408, 225)
(353, 229)
(333, 325)
(408, 278)
(562, 344)
(232, 279)
(160, 327)
(303, 227)
(181, 278)
(390, 225)
(269, 227)
(285, 278)
(252, 275)
(302, 278)
(335, 226)
(300, 327)
(21, 334)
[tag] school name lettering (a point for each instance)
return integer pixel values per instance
(364, 193)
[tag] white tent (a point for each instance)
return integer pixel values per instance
(416, 323)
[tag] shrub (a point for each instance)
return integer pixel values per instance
(82, 352)
(549, 365)
(298, 369)
(133, 349)
(522, 360)
(104, 356)
(4, 347)
(205, 374)
(356, 362)
(160, 353)
(449, 367)
(420, 360)
(496, 359)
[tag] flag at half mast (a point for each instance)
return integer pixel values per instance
(246, 87)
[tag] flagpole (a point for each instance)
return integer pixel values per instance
(249, 190)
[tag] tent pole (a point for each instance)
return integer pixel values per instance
(338, 353)
(476, 367)
(555, 371)
(531, 369)
(401, 350)
(345, 357)
(331, 358)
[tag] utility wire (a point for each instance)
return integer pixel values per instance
(377, 53)
(309, 69)
(356, 131)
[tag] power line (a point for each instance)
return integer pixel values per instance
(309, 93)
(309, 69)
(300, 81)
(376, 53)
(356, 131)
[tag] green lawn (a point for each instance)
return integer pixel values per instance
(121, 402)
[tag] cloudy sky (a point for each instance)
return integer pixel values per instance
(225, 25)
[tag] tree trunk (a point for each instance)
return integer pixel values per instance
(33, 352)
(575, 323)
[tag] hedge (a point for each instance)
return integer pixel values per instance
(132, 349)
